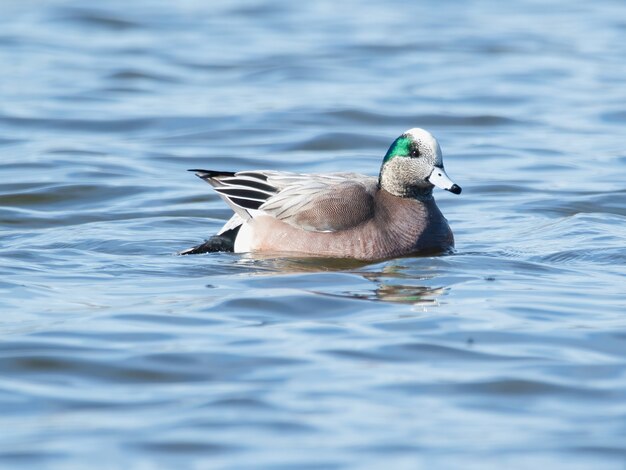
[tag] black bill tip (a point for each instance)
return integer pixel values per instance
(455, 189)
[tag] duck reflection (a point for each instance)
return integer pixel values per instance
(392, 285)
(403, 294)
(394, 281)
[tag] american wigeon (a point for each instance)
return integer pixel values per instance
(345, 215)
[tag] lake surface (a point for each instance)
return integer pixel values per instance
(116, 353)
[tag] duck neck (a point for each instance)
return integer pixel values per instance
(399, 188)
(412, 192)
(401, 177)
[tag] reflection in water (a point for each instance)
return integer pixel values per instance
(413, 295)
(385, 279)
(291, 264)
(388, 291)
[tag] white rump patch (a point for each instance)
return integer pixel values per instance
(243, 242)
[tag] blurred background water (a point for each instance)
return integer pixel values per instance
(115, 353)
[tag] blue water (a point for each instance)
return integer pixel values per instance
(116, 353)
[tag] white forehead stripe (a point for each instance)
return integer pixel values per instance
(428, 140)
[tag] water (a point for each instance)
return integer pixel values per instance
(116, 353)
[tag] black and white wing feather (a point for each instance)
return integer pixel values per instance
(244, 191)
(312, 202)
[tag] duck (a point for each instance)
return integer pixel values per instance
(338, 215)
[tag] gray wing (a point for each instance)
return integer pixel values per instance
(314, 202)
(322, 203)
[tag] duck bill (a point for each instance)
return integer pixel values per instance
(439, 178)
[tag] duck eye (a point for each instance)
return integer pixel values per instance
(415, 153)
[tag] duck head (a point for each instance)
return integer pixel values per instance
(413, 165)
